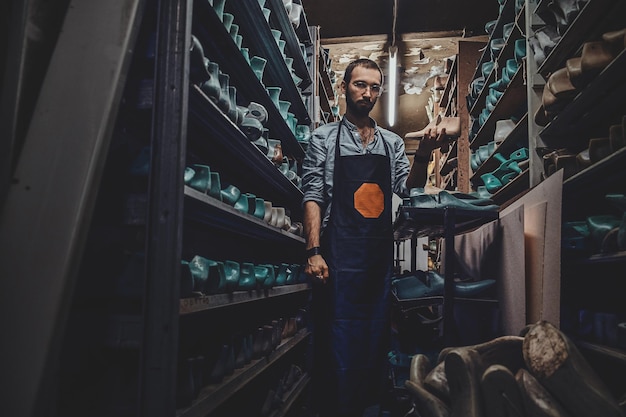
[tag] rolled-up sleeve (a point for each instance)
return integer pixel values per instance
(313, 169)
(402, 166)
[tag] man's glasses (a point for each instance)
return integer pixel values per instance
(362, 86)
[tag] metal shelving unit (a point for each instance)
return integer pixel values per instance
(413, 222)
(212, 396)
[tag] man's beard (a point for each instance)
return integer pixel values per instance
(358, 109)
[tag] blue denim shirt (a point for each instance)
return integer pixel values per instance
(319, 161)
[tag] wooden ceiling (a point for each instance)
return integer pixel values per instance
(348, 18)
(427, 32)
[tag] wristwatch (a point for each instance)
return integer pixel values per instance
(315, 250)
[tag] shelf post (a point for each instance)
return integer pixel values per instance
(157, 389)
(449, 329)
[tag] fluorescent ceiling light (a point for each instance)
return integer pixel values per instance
(393, 85)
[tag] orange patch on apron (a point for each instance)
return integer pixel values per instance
(369, 200)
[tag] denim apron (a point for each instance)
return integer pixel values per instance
(351, 310)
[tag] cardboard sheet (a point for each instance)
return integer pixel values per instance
(542, 231)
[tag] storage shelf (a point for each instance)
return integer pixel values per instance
(215, 213)
(591, 110)
(599, 258)
(506, 53)
(303, 29)
(413, 303)
(510, 103)
(511, 143)
(216, 301)
(219, 47)
(419, 222)
(324, 99)
(586, 24)
(452, 79)
(257, 34)
(279, 20)
(600, 178)
(480, 102)
(616, 354)
(325, 79)
(232, 150)
(452, 105)
(295, 393)
(515, 188)
(215, 395)
(506, 16)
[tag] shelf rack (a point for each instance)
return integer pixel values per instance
(215, 395)
(414, 222)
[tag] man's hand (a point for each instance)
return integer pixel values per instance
(432, 139)
(317, 268)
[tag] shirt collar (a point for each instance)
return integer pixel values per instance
(352, 126)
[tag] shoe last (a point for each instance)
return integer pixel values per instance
(599, 226)
(251, 203)
(216, 277)
(231, 271)
(616, 137)
(548, 37)
(230, 194)
(557, 364)
(247, 277)
(242, 203)
(507, 29)
(259, 208)
(483, 153)
(575, 236)
(492, 183)
(473, 288)
(261, 144)
(495, 46)
(257, 345)
(252, 128)
(257, 111)
(617, 200)
(574, 72)
(599, 148)
(463, 369)
(265, 276)
(486, 68)
(223, 102)
(520, 49)
(201, 180)
(216, 186)
(420, 367)
(500, 392)
(490, 26)
(560, 85)
(239, 346)
(536, 399)
(413, 286)
(281, 275)
(198, 72)
(595, 57)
